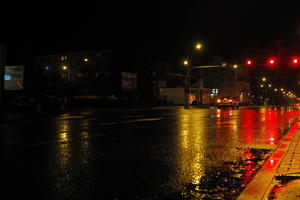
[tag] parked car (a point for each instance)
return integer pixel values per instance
(227, 102)
(38, 102)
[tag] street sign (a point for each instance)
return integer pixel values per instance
(13, 77)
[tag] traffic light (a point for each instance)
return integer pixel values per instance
(295, 62)
(249, 62)
(271, 62)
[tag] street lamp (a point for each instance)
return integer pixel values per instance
(264, 79)
(186, 63)
(198, 46)
(187, 85)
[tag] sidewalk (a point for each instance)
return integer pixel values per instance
(279, 178)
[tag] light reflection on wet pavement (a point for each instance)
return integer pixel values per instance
(152, 154)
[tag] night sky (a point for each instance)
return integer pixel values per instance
(162, 29)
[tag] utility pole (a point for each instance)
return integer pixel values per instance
(2, 65)
(187, 88)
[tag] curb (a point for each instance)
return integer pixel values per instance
(261, 184)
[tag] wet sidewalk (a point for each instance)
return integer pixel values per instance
(279, 178)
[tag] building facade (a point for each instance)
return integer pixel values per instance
(77, 72)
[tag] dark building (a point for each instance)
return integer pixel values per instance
(79, 73)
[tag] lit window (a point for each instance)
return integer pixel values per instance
(62, 58)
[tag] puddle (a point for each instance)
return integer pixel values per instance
(227, 180)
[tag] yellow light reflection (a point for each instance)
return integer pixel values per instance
(191, 146)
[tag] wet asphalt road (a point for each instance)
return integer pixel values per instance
(128, 153)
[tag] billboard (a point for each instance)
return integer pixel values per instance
(129, 81)
(13, 77)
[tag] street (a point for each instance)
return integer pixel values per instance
(153, 153)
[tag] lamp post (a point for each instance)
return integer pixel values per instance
(187, 89)
(187, 85)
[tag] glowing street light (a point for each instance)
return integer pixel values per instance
(263, 79)
(198, 46)
(185, 62)
(269, 85)
(235, 66)
(64, 67)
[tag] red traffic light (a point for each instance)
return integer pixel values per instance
(249, 62)
(271, 61)
(295, 61)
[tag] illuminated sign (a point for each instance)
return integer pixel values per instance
(13, 78)
(215, 91)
